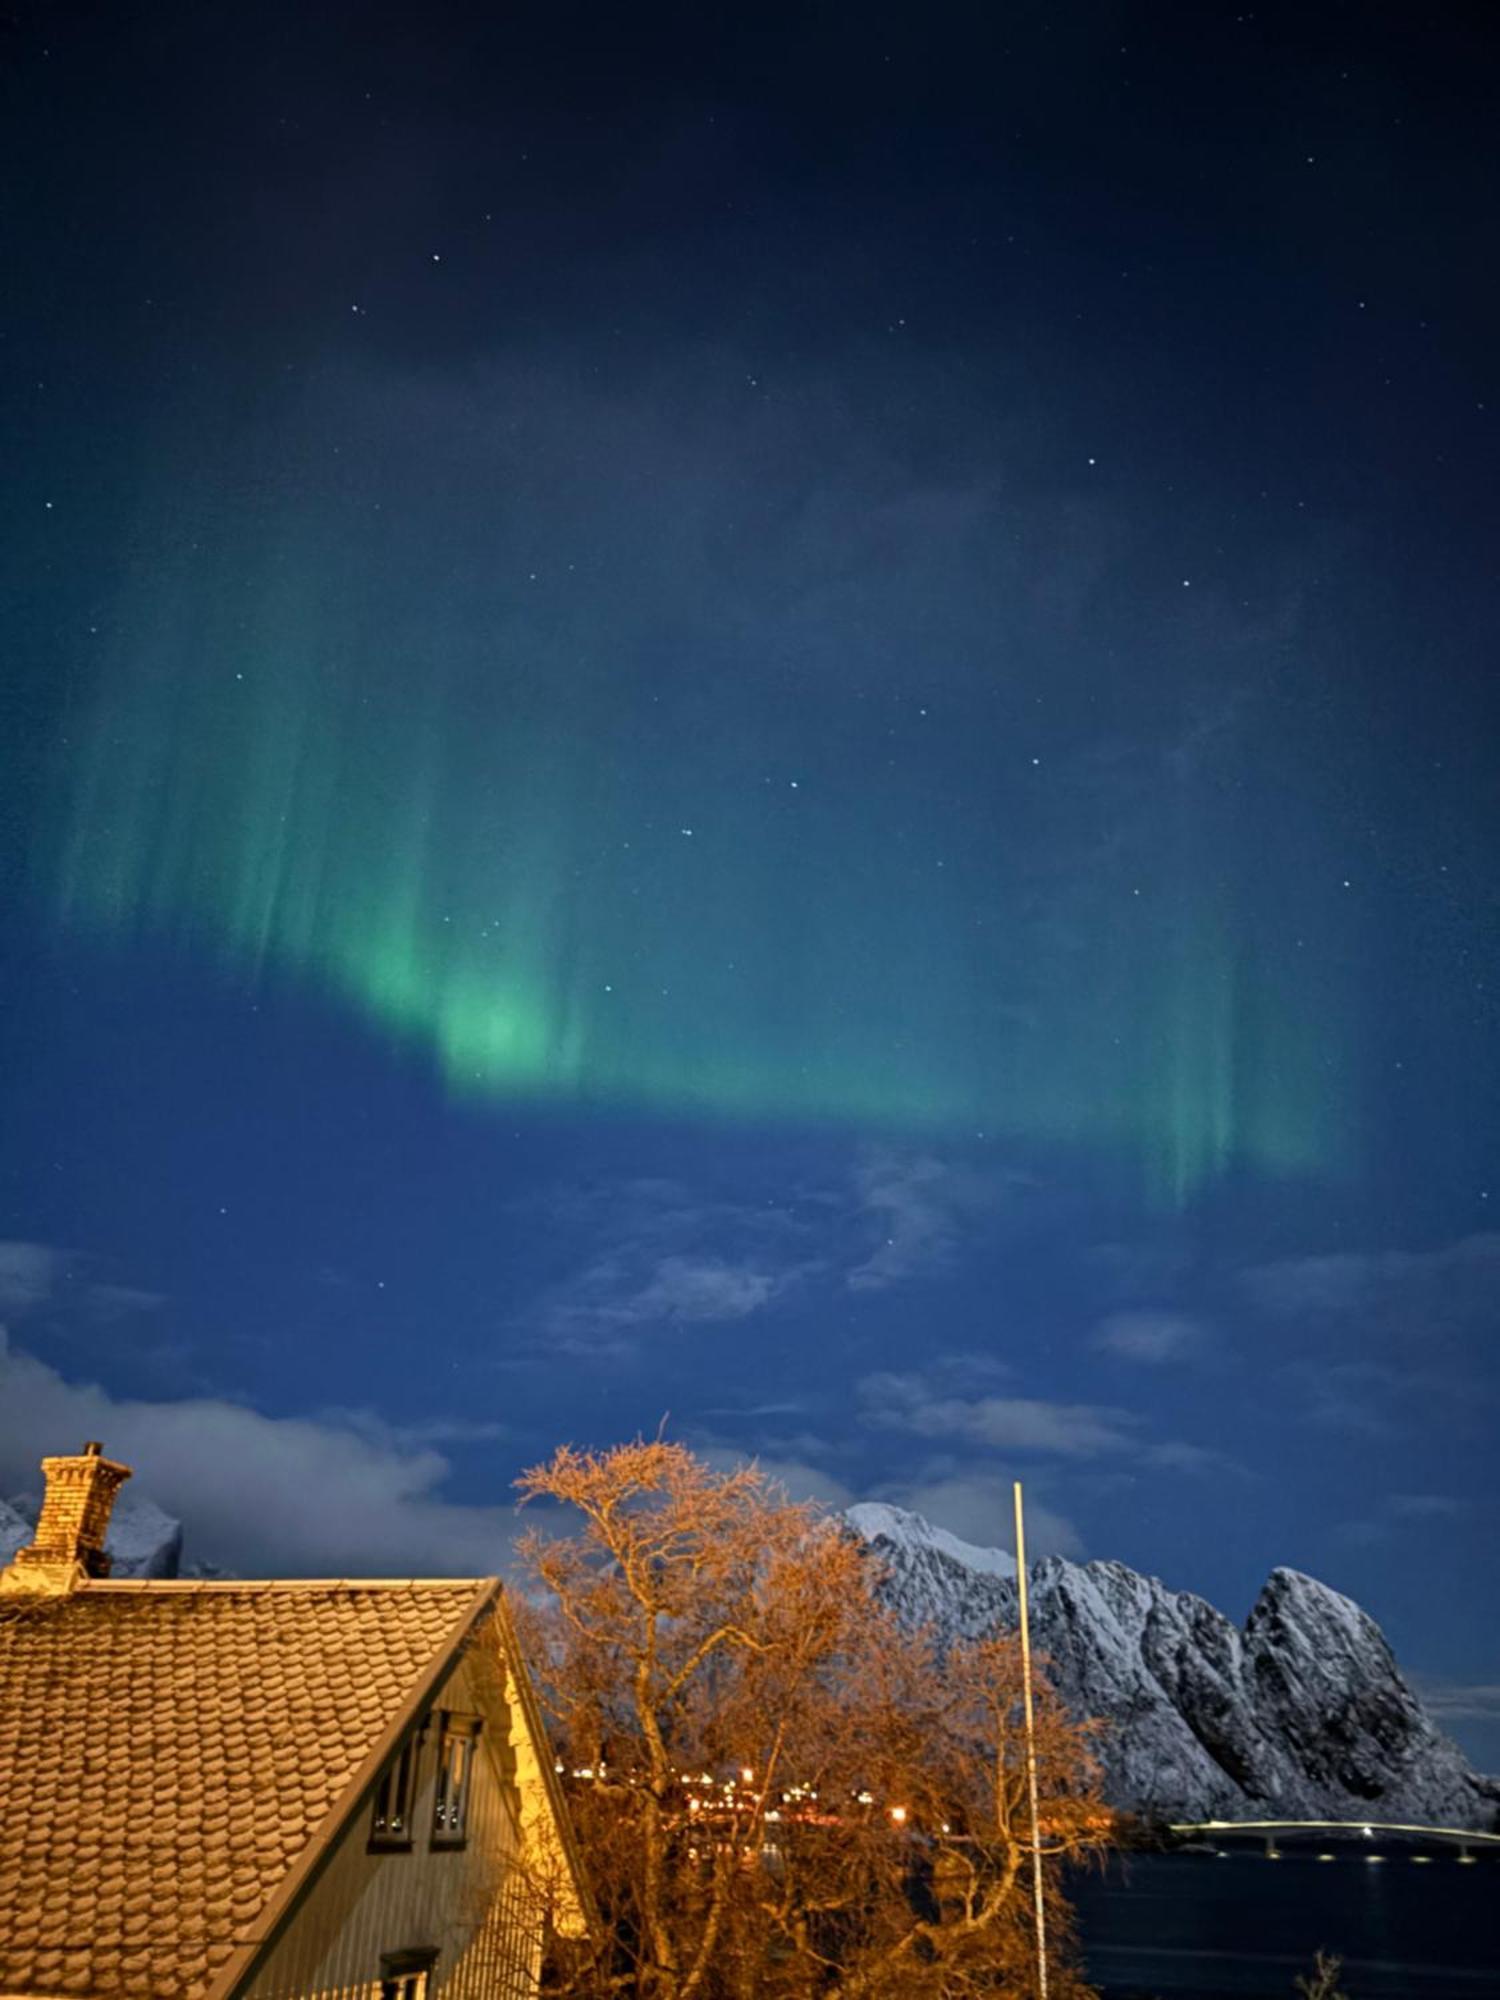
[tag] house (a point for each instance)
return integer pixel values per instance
(265, 1790)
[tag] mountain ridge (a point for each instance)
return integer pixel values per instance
(1302, 1712)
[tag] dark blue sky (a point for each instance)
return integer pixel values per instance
(787, 721)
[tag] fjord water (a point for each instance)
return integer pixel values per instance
(1243, 1927)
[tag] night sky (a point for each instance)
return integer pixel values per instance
(780, 718)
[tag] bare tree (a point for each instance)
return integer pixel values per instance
(779, 1791)
(1322, 1983)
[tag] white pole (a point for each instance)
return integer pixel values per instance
(1036, 1834)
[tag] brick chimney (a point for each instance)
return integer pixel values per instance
(68, 1547)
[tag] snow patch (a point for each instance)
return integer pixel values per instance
(877, 1521)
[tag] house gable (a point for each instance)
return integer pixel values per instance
(467, 1911)
(204, 1748)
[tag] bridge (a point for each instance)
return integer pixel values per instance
(1272, 1832)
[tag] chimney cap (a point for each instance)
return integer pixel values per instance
(93, 1449)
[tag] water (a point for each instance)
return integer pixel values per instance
(1174, 1925)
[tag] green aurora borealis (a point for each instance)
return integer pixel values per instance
(490, 832)
(779, 722)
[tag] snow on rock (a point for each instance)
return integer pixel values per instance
(1302, 1714)
(142, 1540)
(15, 1531)
(873, 1518)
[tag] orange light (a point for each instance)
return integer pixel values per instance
(746, 1774)
(898, 1814)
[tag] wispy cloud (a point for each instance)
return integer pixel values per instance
(415, 1436)
(940, 1404)
(805, 1477)
(1386, 1296)
(1459, 1701)
(623, 1293)
(920, 1210)
(29, 1274)
(41, 1280)
(1153, 1339)
(665, 1257)
(1176, 1456)
(1017, 1423)
(1398, 1514)
(1380, 1398)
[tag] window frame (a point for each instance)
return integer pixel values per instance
(454, 1729)
(407, 1975)
(399, 1784)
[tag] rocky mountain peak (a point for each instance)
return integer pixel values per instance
(1300, 1713)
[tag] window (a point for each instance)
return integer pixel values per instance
(405, 1975)
(458, 1740)
(390, 1823)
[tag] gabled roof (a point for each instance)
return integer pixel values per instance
(176, 1757)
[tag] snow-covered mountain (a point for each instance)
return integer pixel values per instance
(141, 1541)
(1303, 1713)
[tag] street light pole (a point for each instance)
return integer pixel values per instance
(1036, 1835)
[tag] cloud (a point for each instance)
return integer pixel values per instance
(1342, 1396)
(1139, 1273)
(1176, 1456)
(28, 1276)
(1426, 1506)
(1396, 1297)
(1151, 1338)
(1459, 1701)
(1007, 1423)
(931, 1405)
(979, 1508)
(802, 1478)
(921, 1208)
(1374, 1399)
(624, 1293)
(407, 1437)
(38, 1280)
(288, 1496)
(665, 1257)
(1399, 1511)
(705, 1288)
(750, 1412)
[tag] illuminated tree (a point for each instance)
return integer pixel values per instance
(779, 1791)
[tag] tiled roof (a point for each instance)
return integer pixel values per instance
(168, 1752)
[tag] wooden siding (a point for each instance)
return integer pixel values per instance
(472, 1904)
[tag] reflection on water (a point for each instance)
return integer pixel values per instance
(1242, 1926)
